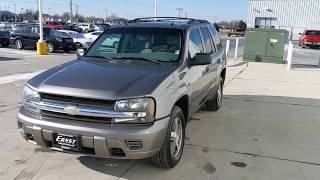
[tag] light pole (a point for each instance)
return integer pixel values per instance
(155, 8)
(180, 10)
(42, 47)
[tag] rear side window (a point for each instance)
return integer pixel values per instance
(207, 40)
(27, 29)
(216, 38)
(195, 43)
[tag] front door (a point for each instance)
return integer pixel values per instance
(197, 74)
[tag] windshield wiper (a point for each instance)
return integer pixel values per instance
(138, 58)
(102, 57)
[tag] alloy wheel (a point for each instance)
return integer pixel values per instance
(176, 137)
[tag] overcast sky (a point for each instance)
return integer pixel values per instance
(204, 9)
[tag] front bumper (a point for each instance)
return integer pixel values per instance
(312, 43)
(97, 139)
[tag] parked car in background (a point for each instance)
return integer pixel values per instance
(28, 36)
(86, 27)
(78, 39)
(72, 27)
(92, 36)
(4, 38)
(310, 38)
(55, 25)
(6, 26)
(101, 27)
(129, 102)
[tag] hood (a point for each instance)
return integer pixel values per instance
(103, 80)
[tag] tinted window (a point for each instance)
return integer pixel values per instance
(195, 43)
(216, 38)
(313, 33)
(27, 29)
(207, 40)
(18, 29)
(35, 30)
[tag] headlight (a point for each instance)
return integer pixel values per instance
(144, 108)
(30, 99)
(59, 39)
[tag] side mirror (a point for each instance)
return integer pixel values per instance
(80, 52)
(200, 59)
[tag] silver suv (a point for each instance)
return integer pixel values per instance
(130, 101)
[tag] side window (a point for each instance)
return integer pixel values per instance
(18, 29)
(207, 40)
(35, 30)
(27, 30)
(195, 43)
(216, 38)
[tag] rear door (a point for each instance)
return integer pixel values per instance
(35, 35)
(210, 74)
(26, 36)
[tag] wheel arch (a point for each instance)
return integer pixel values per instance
(183, 103)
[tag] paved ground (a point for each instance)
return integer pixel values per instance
(268, 129)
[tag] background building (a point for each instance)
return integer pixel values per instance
(292, 15)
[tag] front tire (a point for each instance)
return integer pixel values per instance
(18, 43)
(216, 103)
(172, 148)
(51, 48)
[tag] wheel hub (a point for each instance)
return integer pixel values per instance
(176, 137)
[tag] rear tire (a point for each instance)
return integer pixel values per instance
(18, 43)
(216, 103)
(172, 148)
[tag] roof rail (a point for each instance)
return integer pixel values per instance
(167, 19)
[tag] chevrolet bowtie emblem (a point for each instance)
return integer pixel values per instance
(71, 110)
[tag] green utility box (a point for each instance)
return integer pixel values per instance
(265, 45)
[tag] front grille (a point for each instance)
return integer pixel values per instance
(51, 114)
(77, 100)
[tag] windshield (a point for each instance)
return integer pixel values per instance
(145, 43)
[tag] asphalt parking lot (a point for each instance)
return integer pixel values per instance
(267, 129)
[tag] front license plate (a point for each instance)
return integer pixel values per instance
(66, 142)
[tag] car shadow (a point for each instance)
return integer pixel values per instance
(113, 167)
(8, 59)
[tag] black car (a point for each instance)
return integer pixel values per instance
(4, 38)
(28, 36)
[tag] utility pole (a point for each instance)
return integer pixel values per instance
(77, 12)
(180, 10)
(71, 12)
(106, 15)
(155, 8)
(15, 12)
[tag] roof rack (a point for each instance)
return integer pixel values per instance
(167, 19)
